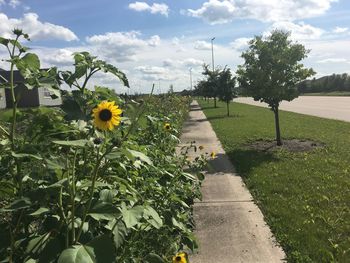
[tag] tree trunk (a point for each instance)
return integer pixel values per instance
(228, 108)
(277, 124)
(214, 102)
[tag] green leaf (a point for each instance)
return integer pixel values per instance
(119, 233)
(153, 217)
(4, 41)
(53, 165)
(113, 155)
(107, 195)
(52, 250)
(140, 156)
(26, 155)
(18, 204)
(58, 184)
(77, 254)
(112, 69)
(31, 61)
(37, 244)
(179, 225)
(189, 176)
(153, 258)
(104, 249)
(132, 217)
(103, 211)
(75, 143)
(41, 210)
(190, 242)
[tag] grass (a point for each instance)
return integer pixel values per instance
(333, 93)
(305, 197)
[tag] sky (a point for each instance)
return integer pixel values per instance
(162, 41)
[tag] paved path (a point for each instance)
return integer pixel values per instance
(230, 228)
(322, 106)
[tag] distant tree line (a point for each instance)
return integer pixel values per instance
(335, 82)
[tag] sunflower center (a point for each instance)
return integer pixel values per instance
(178, 258)
(105, 115)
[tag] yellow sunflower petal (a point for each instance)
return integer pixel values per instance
(110, 115)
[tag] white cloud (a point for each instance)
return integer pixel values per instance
(121, 46)
(59, 57)
(192, 62)
(14, 3)
(154, 73)
(240, 44)
(155, 8)
(36, 29)
(332, 60)
(339, 30)
(224, 11)
(299, 31)
(177, 43)
(154, 41)
(215, 11)
(184, 64)
(202, 45)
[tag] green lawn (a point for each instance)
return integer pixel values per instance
(333, 93)
(305, 197)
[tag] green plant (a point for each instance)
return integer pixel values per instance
(71, 192)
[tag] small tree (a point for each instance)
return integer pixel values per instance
(203, 89)
(211, 82)
(227, 90)
(271, 71)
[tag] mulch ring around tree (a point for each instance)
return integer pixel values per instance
(293, 145)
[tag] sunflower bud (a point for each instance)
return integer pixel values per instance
(98, 141)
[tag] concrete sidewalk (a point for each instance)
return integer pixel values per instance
(229, 226)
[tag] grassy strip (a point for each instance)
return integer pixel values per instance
(305, 197)
(333, 93)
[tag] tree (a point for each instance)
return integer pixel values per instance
(271, 71)
(212, 87)
(227, 90)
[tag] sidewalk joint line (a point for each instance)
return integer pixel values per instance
(225, 201)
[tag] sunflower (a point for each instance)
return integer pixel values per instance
(106, 115)
(167, 126)
(201, 147)
(213, 155)
(180, 258)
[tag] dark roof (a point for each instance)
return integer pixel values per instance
(17, 77)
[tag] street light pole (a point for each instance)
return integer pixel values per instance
(212, 52)
(212, 60)
(191, 78)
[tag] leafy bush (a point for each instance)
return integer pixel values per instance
(71, 192)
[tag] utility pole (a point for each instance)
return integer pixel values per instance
(212, 53)
(212, 60)
(191, 78)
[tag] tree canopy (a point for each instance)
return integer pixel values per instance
(271, 70)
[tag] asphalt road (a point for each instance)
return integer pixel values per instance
(322, 106)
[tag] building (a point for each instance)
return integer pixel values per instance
(2, 99)
(26, 97)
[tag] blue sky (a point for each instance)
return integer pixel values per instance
(159, 41)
